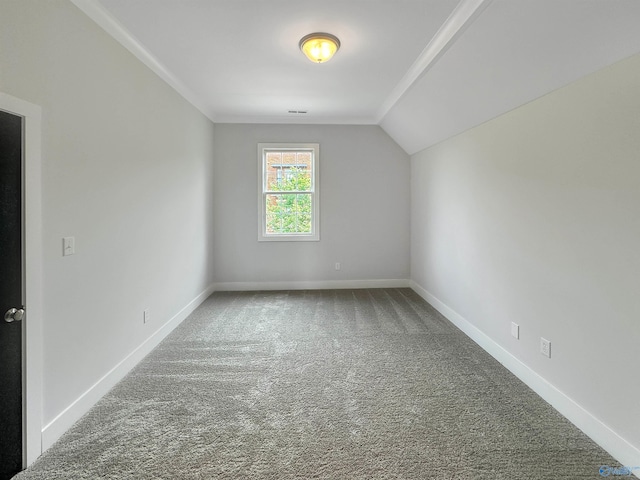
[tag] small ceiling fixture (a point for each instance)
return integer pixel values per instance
(319, 47)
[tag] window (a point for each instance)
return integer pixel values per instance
(289, 205)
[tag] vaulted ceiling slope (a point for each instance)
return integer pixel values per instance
(424, 70)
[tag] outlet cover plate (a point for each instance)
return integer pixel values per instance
(515, 330)
(545, 347)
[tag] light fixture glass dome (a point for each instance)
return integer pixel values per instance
(319, 47)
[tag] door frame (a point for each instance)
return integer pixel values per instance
(32, 342)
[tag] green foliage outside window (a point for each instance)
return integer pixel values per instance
(290, 212)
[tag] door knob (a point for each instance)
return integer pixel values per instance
(14, 314)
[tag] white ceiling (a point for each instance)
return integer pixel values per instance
(422, 69)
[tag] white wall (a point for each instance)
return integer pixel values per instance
(127, 170)
(534, 218)
(364, 209)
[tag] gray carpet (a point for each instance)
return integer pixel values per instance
(335, 384)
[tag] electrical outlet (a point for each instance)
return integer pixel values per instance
(68, 246)
(545, 347)
(338, 266)
(146, 316)
(515, 330)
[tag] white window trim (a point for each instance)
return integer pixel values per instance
(314, 236)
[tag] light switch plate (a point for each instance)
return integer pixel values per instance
(68, 246)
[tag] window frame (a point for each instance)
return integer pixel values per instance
(314, 236)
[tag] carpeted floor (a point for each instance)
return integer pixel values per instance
(333, 384)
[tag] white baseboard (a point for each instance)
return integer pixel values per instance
(310, 285)
(54, 429)
(619, 448)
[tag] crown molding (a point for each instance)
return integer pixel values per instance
(465, 13)
(96, 12)
(295, 119)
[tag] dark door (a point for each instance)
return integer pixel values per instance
(10, 295)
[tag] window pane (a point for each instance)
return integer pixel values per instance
(273, 169)
(288, 213)
(288, 171)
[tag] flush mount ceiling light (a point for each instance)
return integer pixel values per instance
(319, 47)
